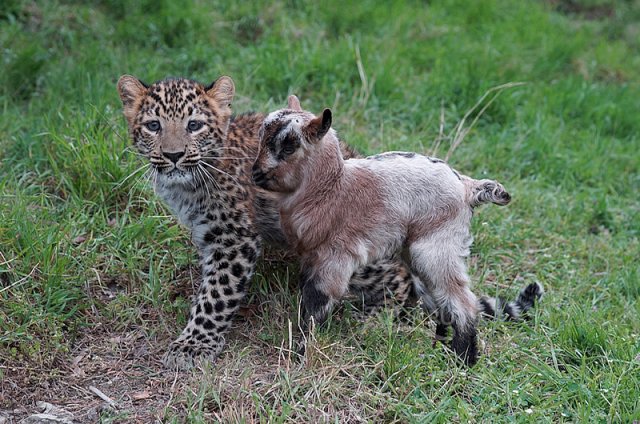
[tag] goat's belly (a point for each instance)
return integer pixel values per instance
(371, 249)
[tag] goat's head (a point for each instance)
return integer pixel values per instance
(287, 137)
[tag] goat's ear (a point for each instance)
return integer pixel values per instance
(319, 126)
(294, 103)
(131, 91)
(222, 90)
(326, 123)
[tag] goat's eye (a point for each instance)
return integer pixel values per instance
(194, 126)
(152, 126)
(288, 149)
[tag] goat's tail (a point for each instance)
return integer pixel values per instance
(485, 191)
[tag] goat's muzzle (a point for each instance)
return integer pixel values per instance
(259, 177)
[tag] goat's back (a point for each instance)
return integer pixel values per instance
(412, 184)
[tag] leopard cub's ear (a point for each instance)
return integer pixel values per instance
(222, 90)
(131, 91)
(294, 103)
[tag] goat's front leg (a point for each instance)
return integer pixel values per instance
(321, 287)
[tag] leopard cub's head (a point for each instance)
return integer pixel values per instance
(177, 123)
(287, 138)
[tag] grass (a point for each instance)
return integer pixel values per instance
(95, 275)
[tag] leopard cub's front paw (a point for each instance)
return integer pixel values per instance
(186, 353)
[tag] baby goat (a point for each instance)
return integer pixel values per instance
(342, 214)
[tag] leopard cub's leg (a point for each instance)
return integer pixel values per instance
(382, 284)
(228, 262)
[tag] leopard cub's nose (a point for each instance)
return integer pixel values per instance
(173, 156)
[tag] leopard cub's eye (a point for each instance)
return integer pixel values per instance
(194, 126)
(152, 126)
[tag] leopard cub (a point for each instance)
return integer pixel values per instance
(181, 127)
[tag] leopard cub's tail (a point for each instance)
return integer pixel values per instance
(514, 310)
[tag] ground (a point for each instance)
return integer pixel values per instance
(95, 274)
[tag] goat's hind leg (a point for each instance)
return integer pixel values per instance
(428, 304)
(439, 261)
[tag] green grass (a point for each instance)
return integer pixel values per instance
(89, 256)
